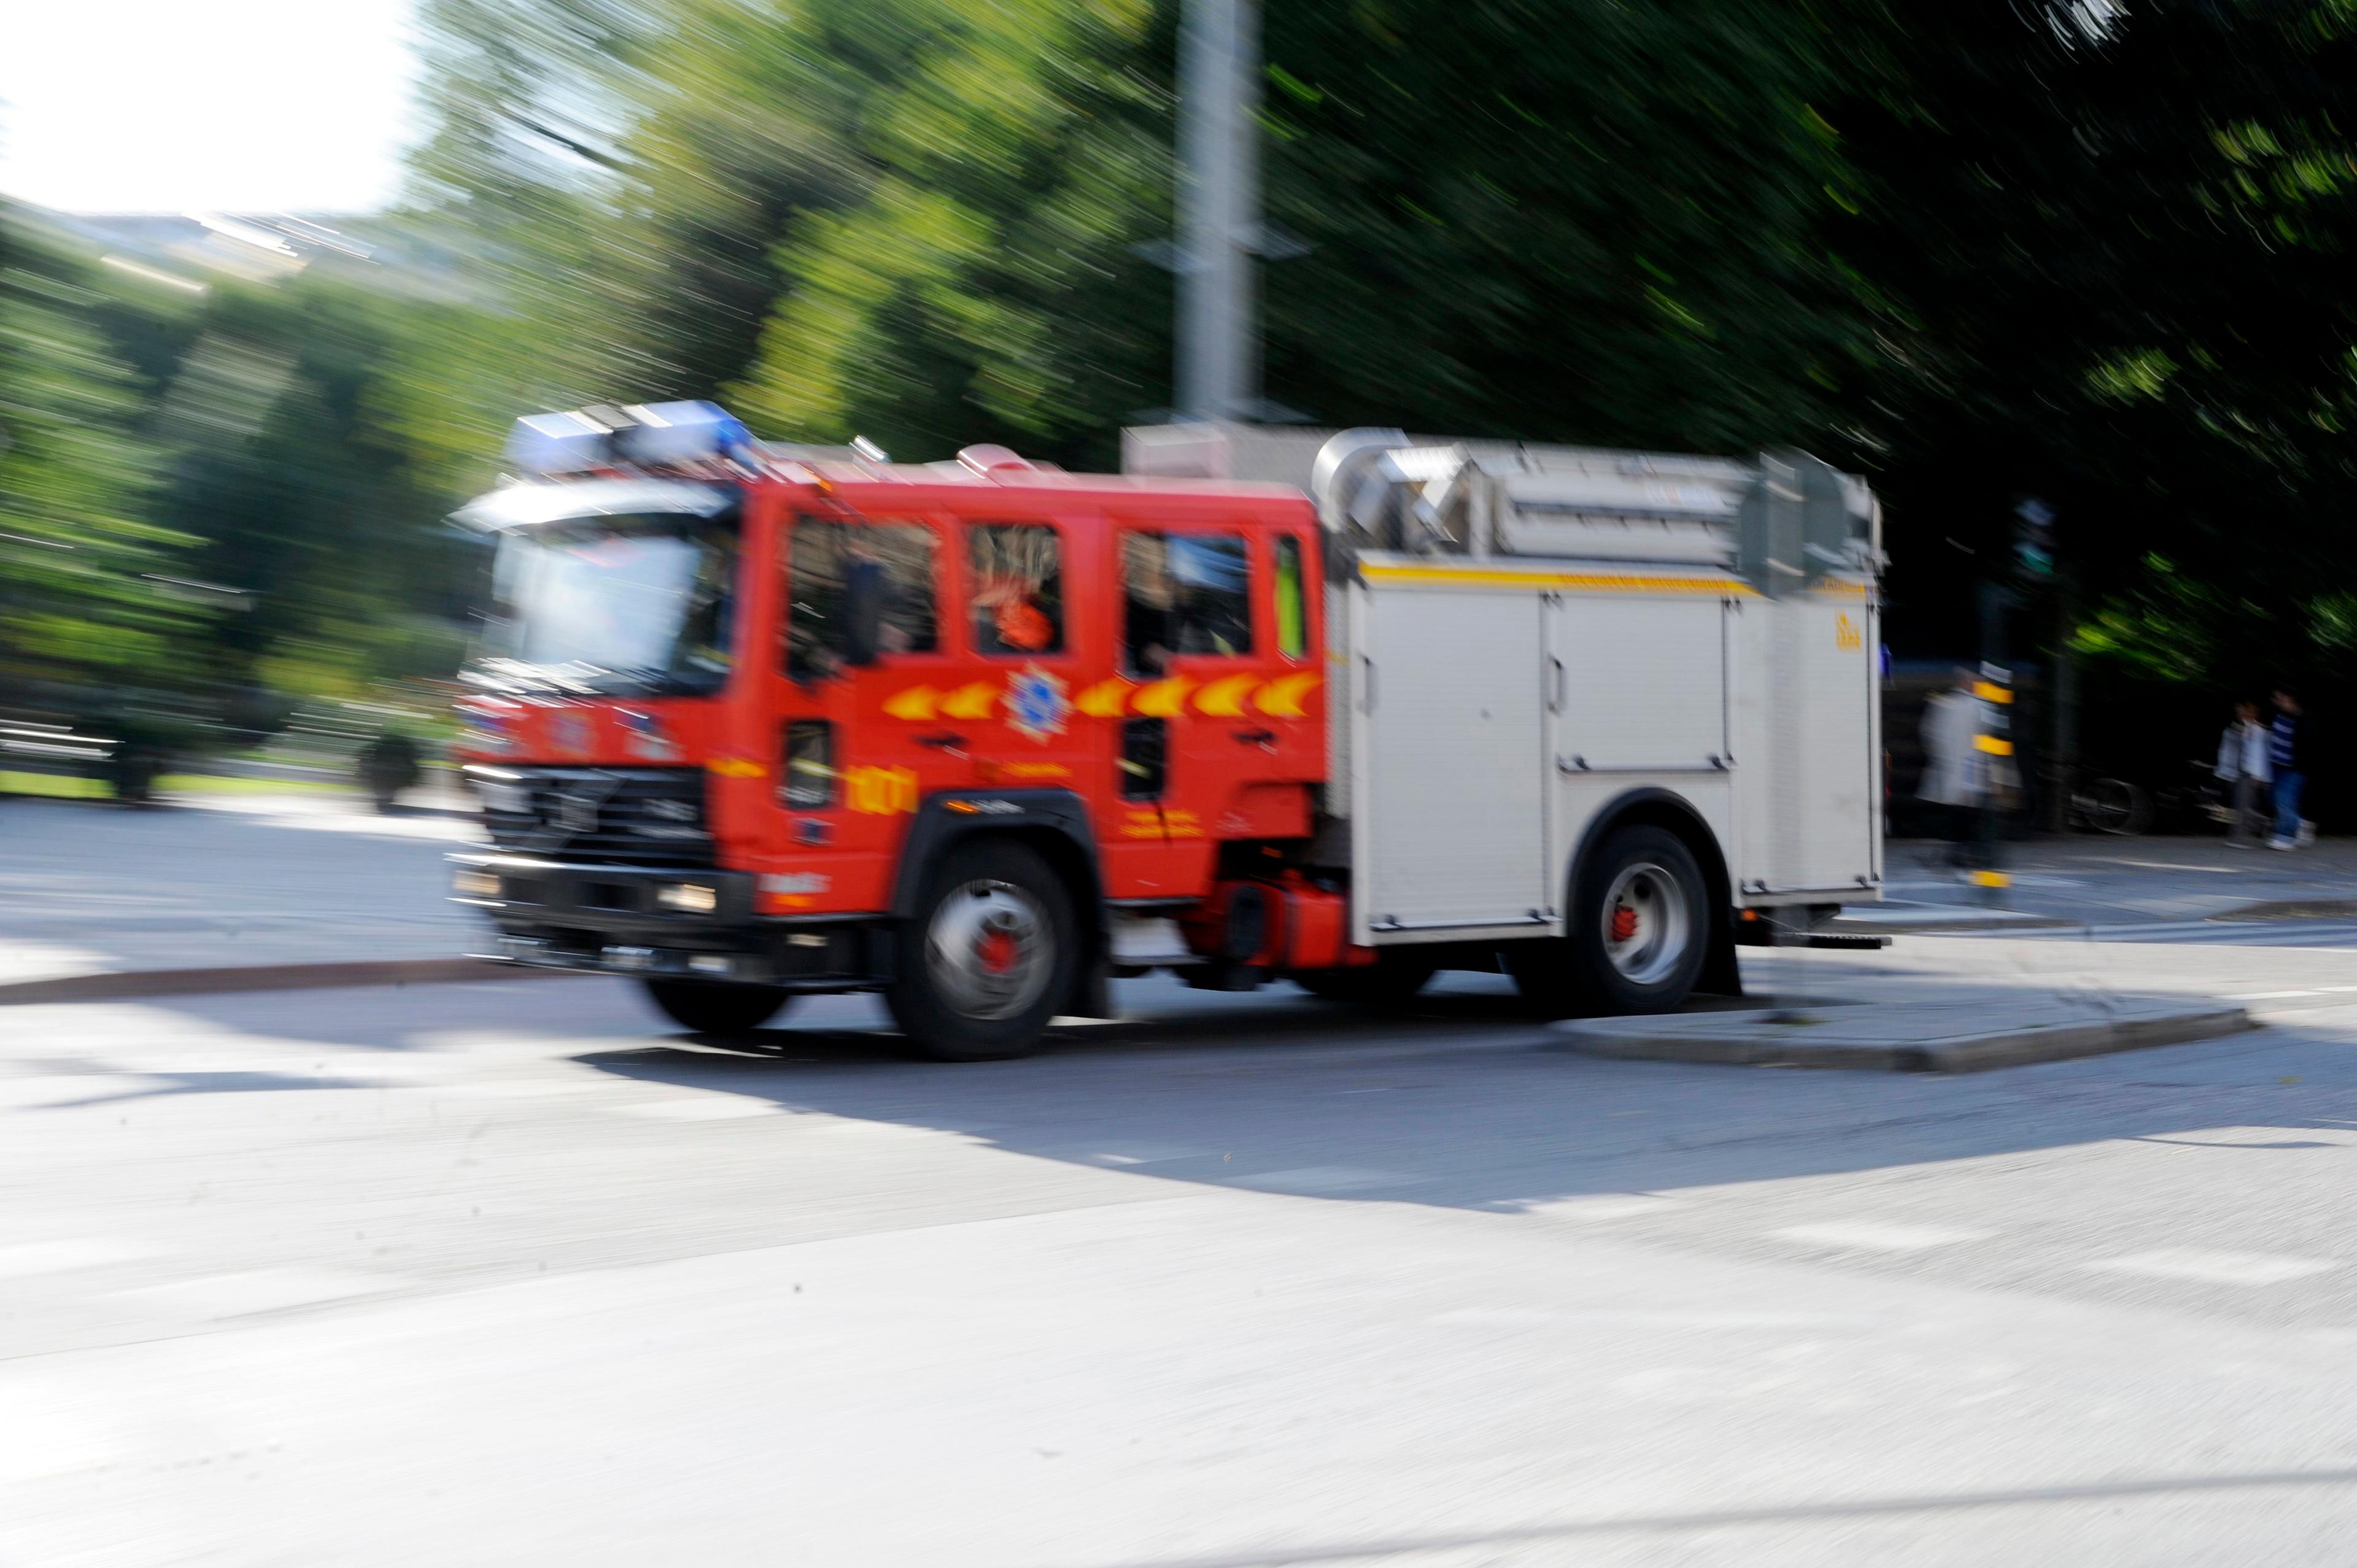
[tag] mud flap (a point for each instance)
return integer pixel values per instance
(1721, 976)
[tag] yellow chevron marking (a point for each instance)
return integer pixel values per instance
(916, 704)
(1164, 699)
(1281, 698)
(1104, 700)
(1224, 698)
(972, 702)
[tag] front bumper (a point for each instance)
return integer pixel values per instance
(659, 923)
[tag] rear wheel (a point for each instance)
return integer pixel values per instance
(989, 958)
(1640, 932)
(1392, 980)
(715, 1007)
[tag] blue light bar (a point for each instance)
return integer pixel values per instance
(637, 435)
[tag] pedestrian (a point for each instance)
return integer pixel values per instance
(2245, 768)
(1953, 777)
(2286, 756)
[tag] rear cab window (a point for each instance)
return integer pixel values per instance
(1184, 595)
(1291, 599)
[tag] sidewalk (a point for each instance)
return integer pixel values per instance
(2095, 881)
(224, 880)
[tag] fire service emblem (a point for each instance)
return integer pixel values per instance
(1036, 703)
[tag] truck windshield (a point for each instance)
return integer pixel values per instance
(621, 605)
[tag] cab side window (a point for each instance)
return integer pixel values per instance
(1017, 593)
(1292, 614)
(833, 560)
(1184, 594)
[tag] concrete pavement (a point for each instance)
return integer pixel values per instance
(510, 1274)
(2111, 884)
(226, 880)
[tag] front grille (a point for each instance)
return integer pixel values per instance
(611, 816)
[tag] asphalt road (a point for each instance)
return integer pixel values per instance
(513, 1274)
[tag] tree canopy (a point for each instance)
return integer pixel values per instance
(2084, 252)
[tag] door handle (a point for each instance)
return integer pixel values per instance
(1267, 737)
(1555, 691)
(942, 742)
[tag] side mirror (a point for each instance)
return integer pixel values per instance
(863, 612)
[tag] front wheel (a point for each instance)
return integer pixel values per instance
(989, 958)
(1640, 932)
(717, 1007)
(2114, 806)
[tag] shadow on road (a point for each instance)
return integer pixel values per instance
(1456, 1101)
(1459, 1101)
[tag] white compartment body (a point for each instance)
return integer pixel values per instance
(1499, 711)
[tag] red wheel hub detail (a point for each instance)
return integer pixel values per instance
(997, 952)
(1624, 922)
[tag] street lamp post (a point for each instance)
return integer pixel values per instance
(1219, 198)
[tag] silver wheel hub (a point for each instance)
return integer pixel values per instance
(989, 950)
(1647, 924)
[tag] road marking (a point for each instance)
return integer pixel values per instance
(30, 1258)
(1603, 1206)
(715, 1109)
(2214, 1268)
(1875, 1236)
(1139, 1155)
(1311, 1181)
(260, 1290)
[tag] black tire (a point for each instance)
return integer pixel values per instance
(989, 958)
(718, 1007)
(2117, 806)
(1648, 876)
(1390, 982)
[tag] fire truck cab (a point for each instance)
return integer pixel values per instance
(981, 735)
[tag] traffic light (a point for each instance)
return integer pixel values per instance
(2033, 540)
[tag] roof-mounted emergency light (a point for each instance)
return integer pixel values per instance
(637, 435)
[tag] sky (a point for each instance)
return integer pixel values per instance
(204, 105)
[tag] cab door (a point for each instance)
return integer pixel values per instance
(1191, 741)
(860, 740)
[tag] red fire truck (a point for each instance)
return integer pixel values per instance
(753, 721)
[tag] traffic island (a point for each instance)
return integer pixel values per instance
(1966, 1034)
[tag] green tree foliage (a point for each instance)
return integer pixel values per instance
(2110, 250)
(1579, 220)
(2090, 253)
(85, 572)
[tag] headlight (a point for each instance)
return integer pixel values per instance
(473, 883)
(688, 898)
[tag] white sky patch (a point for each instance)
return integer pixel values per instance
(233, 105)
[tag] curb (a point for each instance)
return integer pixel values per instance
(138, 982)
(1971, 1053)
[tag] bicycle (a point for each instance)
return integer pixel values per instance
(2110, 806)
(2206, 798)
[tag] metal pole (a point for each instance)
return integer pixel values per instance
(1995, 690)
(1219, 198)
